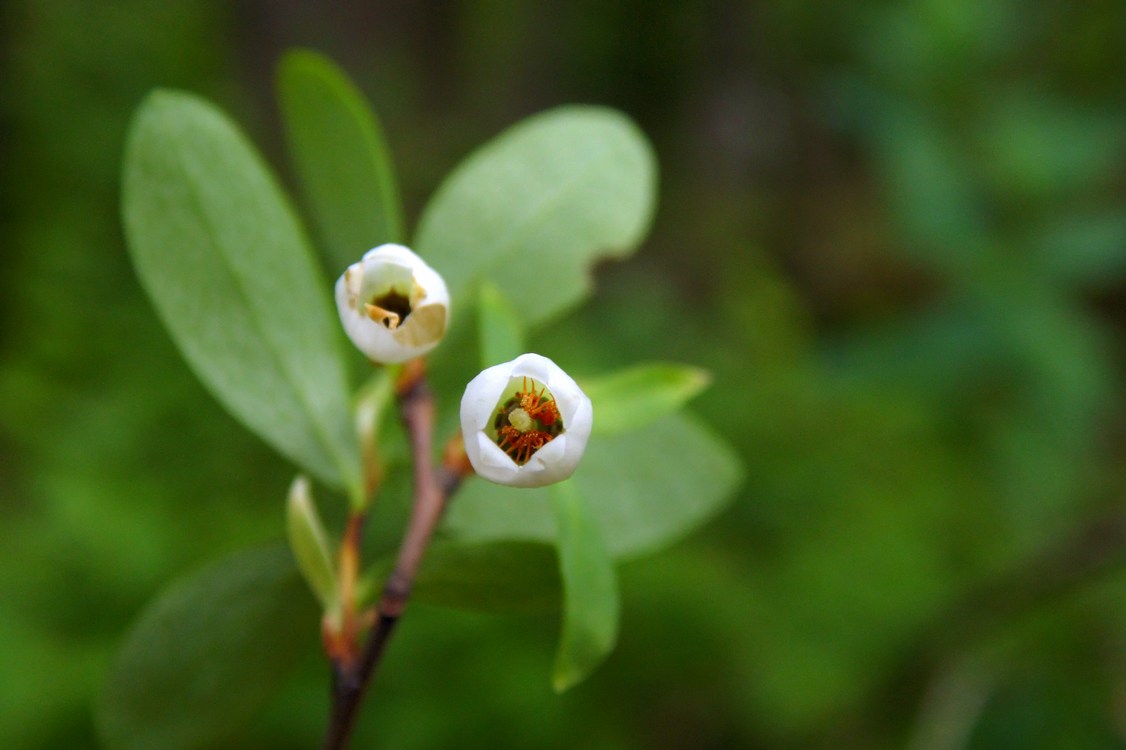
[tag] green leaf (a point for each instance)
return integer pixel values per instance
(309, 543)
(645, 488)
(228, 269)
(635, 397)
(1083, 248)
(208, 654)
(341, 158)
(535, 207)
(502, 337)
(933, 190)
(1037, 147)
(590, 590)
(498, 577)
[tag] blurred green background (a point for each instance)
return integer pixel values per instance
(895, 232)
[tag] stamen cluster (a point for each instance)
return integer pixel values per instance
(527, 422)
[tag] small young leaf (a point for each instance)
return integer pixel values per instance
(645, 488)
(502, 337)
(499, 577)
(341, 157)
(309, 542)
(532, 209)
(227, 267)
(590, 590)
(635, 397)
(208, 654)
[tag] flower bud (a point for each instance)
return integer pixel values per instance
(525, 423)
(393, 306)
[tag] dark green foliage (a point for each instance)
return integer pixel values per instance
(207, 654)
(339, 152)
(892, 234)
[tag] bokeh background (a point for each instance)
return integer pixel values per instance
(894, 231)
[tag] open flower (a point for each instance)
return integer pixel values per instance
(393, 306)
(525, 423)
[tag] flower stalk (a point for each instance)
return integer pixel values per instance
(432, 490)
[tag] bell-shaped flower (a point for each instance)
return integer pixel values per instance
(393, 306)
(525, 423)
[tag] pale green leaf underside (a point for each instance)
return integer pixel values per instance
(590, 590)
(532, 209)
(645, 488)
(635, 397)
(220, 253)
(340, 155)
(207, 654)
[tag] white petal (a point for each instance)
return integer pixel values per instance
(481, 396)
(420, 331)
(553, 462)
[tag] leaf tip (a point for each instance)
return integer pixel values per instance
(309, 542)
(563, 680)
(297, 60)
(697, 379)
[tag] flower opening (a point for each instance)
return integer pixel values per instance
(393, 306)
(525, 423)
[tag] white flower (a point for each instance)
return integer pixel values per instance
(393, 306)
(525, 423)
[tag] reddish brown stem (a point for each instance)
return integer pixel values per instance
(342, 638)
(431, 492)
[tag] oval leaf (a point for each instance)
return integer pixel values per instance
(590, 590)
(635, 397)
(534, 208)
(499, 577)
(207, 654)
(223, 259)
(495, 577)
(645, 488)
(341, 157)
